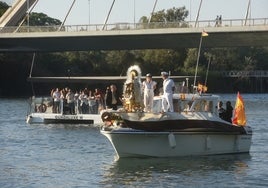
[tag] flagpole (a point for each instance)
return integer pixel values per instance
(197, 61)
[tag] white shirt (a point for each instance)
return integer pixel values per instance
(148, 85)
(56, 96)
(168, 84)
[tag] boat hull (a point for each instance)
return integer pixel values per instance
(130, 143)
(47, 118)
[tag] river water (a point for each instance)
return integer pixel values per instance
(79, 156)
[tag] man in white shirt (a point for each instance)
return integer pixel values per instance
(148, 87)
(56, 97)
(168, 89)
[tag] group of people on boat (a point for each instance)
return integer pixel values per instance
(225, 114)
(88, 102)
(139, 96)
(85, 101)
(148, 87)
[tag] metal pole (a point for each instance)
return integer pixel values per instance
(190, 10)
(28, 15)
(31, 70)
(88, 12)
(134, 12)
(197, 61)
(187, 84)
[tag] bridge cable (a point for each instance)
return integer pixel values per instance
(105, 22)
(197, 16)
(26, 16)
(248, 12)
(67, 15)
(152, 11)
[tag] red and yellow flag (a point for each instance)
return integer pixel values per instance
(204, 34)
(239, 117)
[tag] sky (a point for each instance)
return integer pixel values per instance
(130, 11)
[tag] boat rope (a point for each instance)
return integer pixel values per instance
(209, 61)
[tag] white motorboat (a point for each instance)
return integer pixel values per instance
(194, 128)
(193, 131)
(41, 112)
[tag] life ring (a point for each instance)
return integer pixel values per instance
(42, 108)
(107, 119)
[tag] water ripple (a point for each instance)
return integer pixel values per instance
(79, 156)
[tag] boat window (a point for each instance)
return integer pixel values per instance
(203, 106)
(186, 105)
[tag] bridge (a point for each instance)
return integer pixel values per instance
(233, 33)
(127, 36)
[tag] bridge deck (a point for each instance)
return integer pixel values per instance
(135, 38)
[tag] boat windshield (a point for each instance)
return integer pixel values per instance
(203, 106)
(182, 105)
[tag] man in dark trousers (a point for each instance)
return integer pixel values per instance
(111, 97)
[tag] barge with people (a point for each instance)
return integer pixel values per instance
(41, 111)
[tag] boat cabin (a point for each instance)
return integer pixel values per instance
(189, 103)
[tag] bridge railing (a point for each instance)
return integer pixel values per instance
(137, 26)
(256, 73)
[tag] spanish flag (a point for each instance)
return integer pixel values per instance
(204, 34)
(239, 117)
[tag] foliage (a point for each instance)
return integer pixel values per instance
(174, 17)
(3, 7)
(170, 15)
(41, 19)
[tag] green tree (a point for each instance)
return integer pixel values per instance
(3, 8)
(174, 17)
(119, 61)
(176, 14)
(41, 19)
